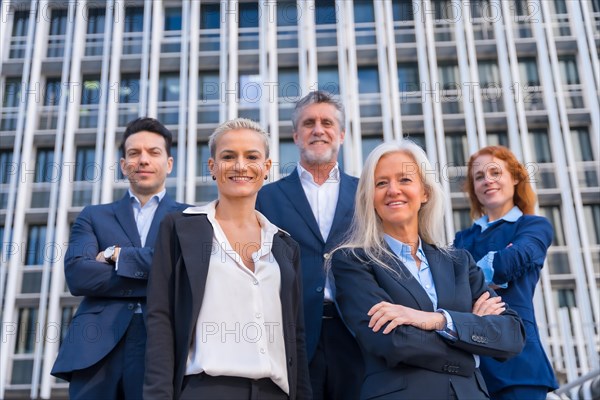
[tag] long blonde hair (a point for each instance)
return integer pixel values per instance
(366, 230)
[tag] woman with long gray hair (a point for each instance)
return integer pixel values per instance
(421, 312)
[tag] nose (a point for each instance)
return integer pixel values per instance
(393, 189)
(144, 158)
(318, 129)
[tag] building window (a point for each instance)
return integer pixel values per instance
(10, 104)
(540, 144)
(36, 242)
(582, 144)
(45, 168)
(202, 156)
(58, 28)
(25, 344)
(19, 34)
(209, 86)
(552, 213)
(172, 19)
(368, 144)
(462, 219)
(287, 13)
(529, 72)
(168, 91)
(402, 10)
(85, 167)
(289, 156)
(95, 31)
(329, 79)
(90, 99)
(249, 93)
(368, 80)
(288, 83)
(133, 28)
(325, 12)
(497, 139)
(591, 213)
(65, 320)
(568, 70)
(457, 149)
(134, 19)
(409, 85)
(210, 16)
(52, 92)
(364, 11)
(6, 166)
(249, 15)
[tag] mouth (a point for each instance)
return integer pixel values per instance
(319, 142)
(396, 204)
(240, 178)
(492, 190)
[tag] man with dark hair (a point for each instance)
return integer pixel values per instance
(315, 204)
(107, 262)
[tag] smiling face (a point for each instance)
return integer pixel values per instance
(318, 134)
(146, 163)
(494, 185)
(240, 164)
(399, 193)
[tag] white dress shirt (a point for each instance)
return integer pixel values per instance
(239, 331)
(323, 201)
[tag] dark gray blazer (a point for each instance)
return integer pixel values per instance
(410, 363)
(175, 295)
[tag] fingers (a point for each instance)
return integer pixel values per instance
(489, 306)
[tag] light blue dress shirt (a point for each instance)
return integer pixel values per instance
(487, 262)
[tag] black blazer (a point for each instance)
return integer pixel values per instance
(175, 294)
(411, 363)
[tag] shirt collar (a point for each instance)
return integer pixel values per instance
(334, 174)
(511, 216)
(266, 226)
(158, 196)
(401, 249)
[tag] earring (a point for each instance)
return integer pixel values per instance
(214, 178)
(266, 177)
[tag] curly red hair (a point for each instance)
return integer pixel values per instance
(524, 198)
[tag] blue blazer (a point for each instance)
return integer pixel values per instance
(410, 363)
(109, 297)
(518, 264)
(285, 205)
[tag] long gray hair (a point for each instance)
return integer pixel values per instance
(367, 228)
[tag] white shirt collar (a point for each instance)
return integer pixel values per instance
(334, 174)
(269, 229)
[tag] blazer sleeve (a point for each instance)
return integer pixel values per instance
(303, 386)
(527, 251)
(500, 336)
(160, 345)
(357, 291)
(87, 277)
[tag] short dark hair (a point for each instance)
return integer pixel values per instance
(150, 125)
(318, 97)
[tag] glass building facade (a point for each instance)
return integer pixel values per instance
(452, 75)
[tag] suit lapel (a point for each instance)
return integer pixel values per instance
(165, 206)
(195, 235)
(409, 282)
(343, 209)
(442, 270)
(292, 188)
(124, 214)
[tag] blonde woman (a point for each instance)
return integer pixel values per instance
(225, 317)
(422, 314)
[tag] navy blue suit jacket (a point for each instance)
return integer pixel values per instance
(518, 264)
(411, 363)
(285, 205)
(110, 297)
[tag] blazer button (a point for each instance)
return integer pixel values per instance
(319, 289)
(326, 256)
(130, 306)
(290, 361)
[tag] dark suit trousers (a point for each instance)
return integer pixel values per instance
(337, 368)
(119, 375)
(202, 386)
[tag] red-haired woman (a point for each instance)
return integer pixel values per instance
(510, 244)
